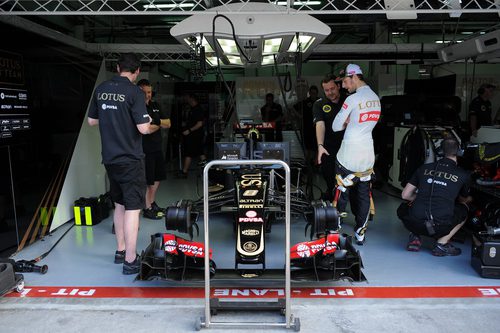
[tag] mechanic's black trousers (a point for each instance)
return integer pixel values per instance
(359, 195)
(328, 170)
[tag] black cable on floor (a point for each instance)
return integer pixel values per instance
(37, 259)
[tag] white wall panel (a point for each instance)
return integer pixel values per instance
(86, 175)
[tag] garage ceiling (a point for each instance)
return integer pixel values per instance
(361, 29)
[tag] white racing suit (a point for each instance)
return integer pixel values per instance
(356, 156)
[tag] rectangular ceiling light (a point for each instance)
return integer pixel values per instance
(272, 45)
(204, 42)
(267, 59)
(228, 46)
(305, 42)
(170, 5)
(207, 46)
(446, 41)
(234, 60)
(212, 61)
(300, 3)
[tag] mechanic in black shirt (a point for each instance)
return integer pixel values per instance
(152, 146)
(118, 108)
(194, 134)
(272, 112)
(324, 111)
(438, 196)
(480, 108)
(305, 108)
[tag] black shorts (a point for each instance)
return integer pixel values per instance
(127, 184)
(418, 227)
(193, 145)
(155, 167)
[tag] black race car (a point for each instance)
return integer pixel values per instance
(253, 196)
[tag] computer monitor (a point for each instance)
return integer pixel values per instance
(399, 109)
(439, 86)
(230, 150)
(273, 151)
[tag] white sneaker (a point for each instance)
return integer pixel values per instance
(360, 239)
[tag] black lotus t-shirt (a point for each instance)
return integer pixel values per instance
(449, 180)
(306, 107)
(152, 143)
(325, 110)
(482, 110)
(272, 112)
(196, 114)
(119, 105)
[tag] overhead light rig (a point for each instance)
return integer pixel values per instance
(230, 38)
(396, 9)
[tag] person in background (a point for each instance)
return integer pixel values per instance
(118, 107)
(328, 141)
(358, 116)
(152, 147)
(193, 135)
(480, 108)
(305, 109)
(272, 112)
(437, 195)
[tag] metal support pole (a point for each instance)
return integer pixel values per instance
(13, 194)
(206, 322)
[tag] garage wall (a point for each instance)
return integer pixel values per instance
(86, 175)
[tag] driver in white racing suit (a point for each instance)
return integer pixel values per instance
(358, 116)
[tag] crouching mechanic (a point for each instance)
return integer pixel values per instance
(118, 108)
(438, 197)
(354, 167)
(152, 146)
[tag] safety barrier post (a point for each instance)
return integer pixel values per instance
(290, 321)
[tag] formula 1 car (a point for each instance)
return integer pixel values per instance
(254, 198)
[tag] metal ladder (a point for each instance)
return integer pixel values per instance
(207, 322)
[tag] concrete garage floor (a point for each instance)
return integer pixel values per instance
(405, 292)
(170, 315)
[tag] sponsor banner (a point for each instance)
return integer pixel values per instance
(192, 249)
(251, 179)
(251, 206)
(251, 216)
(11, 68)
(190, 292)
(369, 116)
(13, 101)
(310, 249)
(250, 246)
(250, 232)
(251, 219)
(251, 201)
(230, 156)
(14, 112)
(250, 193)
(171, 243)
